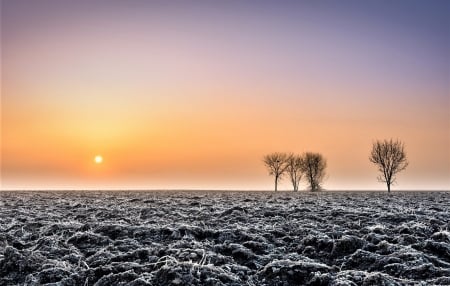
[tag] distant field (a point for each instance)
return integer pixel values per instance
(224, 238)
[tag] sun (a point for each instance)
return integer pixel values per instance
(98, 159)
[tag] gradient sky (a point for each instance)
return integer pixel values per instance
(192, 94)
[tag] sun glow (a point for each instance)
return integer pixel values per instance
(98, 159)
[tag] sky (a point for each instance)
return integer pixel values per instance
(192, 94)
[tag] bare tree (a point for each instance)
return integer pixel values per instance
(314, 165)
(294, 169)
(390, 158)
(276, 163)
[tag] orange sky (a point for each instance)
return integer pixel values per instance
(192, 96)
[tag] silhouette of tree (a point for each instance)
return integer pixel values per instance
(390, 158)
(314, 165)
(276, 163)
(294, 169)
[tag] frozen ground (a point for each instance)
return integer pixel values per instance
(224, 238)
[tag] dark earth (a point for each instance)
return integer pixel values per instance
(224, 238)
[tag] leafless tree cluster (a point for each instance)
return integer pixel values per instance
(388, 155)
(390, 158)
(309, 165)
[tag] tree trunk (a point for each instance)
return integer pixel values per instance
(389, 187)
(276, 183)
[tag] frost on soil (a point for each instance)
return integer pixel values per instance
(224, 238)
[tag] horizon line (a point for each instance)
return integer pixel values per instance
(213, 190)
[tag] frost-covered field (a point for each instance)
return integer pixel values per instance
(224, 238)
